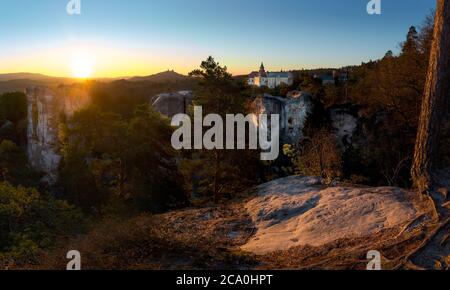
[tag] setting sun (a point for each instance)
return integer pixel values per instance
(82, 68)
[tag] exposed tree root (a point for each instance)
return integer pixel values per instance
(444, 240)
(404, 261)
(435, 207)
(402, 231)
(410, 265)
(443, 220)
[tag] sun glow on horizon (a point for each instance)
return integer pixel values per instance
(82, 68)
(95, 60)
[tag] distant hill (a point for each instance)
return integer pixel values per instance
(20, 81)
(161, 77)
(12, 82)
(29, 76)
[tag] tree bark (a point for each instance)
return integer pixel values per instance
(435, 101)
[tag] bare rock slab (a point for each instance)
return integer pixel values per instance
(299, 211)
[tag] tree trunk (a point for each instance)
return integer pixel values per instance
(435, 100)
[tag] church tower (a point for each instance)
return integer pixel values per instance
(262, 76)
(262, 70)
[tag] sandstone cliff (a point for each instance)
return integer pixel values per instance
(46, 108)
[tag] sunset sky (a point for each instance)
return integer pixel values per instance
(140, 37)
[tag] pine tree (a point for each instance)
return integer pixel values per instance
(219, 171)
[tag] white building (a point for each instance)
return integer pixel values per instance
(271, 80)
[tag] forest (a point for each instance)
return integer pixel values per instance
(120, 176)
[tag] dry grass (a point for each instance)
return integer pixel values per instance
(188, 239)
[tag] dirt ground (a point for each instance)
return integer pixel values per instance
(212, 238)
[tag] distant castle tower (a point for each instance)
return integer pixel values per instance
(262, 78)
(262, 71)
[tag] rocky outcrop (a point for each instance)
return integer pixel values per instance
(293, 111)
(299, 107)
(45, 110)
(171, 104)
(344, 121)
(297, 111)
(303, 211)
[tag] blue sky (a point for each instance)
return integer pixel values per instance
(144, 36)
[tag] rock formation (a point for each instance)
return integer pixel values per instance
(171, 104)
(45, 109)
(293, 111)
(344, 121)
(303, 211)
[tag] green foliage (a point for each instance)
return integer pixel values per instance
(219, 173)
(13, 113)
(108, 158)
(30, 222)
(14, 166)
(150, 160)
(8, 147)
(13, 107)
(217, 91)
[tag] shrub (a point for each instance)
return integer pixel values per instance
(30, 222)
(14, 166)
(316, 156)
